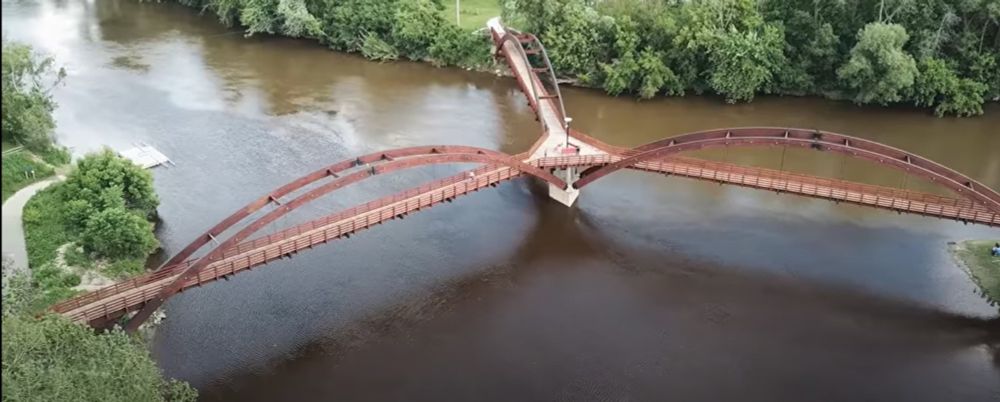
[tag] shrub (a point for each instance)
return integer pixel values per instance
(117, 233)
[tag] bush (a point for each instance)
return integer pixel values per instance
(44, 226)
(53, 359)
(376, 48)
(125, 267)
(415, 27)
(116, 233)
(100, 177)
(454, 47)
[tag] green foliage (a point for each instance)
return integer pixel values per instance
(103, 206)
(939, 86)
(575, 40)
(44, 226)
(349, 23)
(17, 172)
(411, 27)
(76, 257)
(455, 47)
(984, 268)
(879, 70)
(863, 49)
(105, 180)
(125, 267)
(743, 63)
(53, 359)
(376, 48)
(117, 233)
(27, 102)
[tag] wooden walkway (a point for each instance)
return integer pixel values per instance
(129, 295)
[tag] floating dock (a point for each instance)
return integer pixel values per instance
(145, 156)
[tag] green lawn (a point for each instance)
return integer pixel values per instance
(17, 168)
(474, 13)
(984, 268)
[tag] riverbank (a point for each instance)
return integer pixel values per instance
(639, 49)
(974, 257)
(22, 167)
(13, 229)
(90, 229)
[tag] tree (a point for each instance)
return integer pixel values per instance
(27, 101)
(415, 27)
(879, 70)
(453, 46)
(98, 172)
(349, 23)
(117, 233)
(574, 39)
(938, 85)
(53, 359)
(743, 62)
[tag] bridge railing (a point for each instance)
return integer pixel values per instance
(126, 295)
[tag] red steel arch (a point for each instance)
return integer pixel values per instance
(333, 169)
(812, 139)
(388, 162)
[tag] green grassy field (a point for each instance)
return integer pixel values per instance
(474, 13)
(984, 268)
(16, 172)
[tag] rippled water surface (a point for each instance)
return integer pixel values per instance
(651, 288)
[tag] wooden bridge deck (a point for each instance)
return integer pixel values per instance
(132, 294)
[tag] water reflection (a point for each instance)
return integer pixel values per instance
(648, 285)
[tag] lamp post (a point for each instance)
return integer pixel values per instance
(566, 129)
(458, 6)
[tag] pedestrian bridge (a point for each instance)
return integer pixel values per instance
(565, 159)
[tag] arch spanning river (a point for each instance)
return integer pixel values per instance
(696, 292)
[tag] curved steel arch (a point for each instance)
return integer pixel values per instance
(769, 136)
(433, 156)
(332, 170)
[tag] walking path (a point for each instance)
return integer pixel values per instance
(13, 230)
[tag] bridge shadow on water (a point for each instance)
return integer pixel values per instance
(578, 313)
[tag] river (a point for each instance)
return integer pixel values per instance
(650, 288)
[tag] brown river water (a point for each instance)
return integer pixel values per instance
(650, 288)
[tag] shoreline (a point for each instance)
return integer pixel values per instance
(972, 257)
(499, 69)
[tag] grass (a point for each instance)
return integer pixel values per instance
(984, 268)
(17, 168)
(45, 231)
(474, 13)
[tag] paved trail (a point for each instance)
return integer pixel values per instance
(13, 231)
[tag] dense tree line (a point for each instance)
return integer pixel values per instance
(379, 29)
(942, 54)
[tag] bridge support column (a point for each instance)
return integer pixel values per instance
(568, 196)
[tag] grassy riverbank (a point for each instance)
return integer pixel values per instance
(22, 167)
(473, 13)
(90, 229)
(981, 266)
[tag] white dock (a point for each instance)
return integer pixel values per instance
(145, 156)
